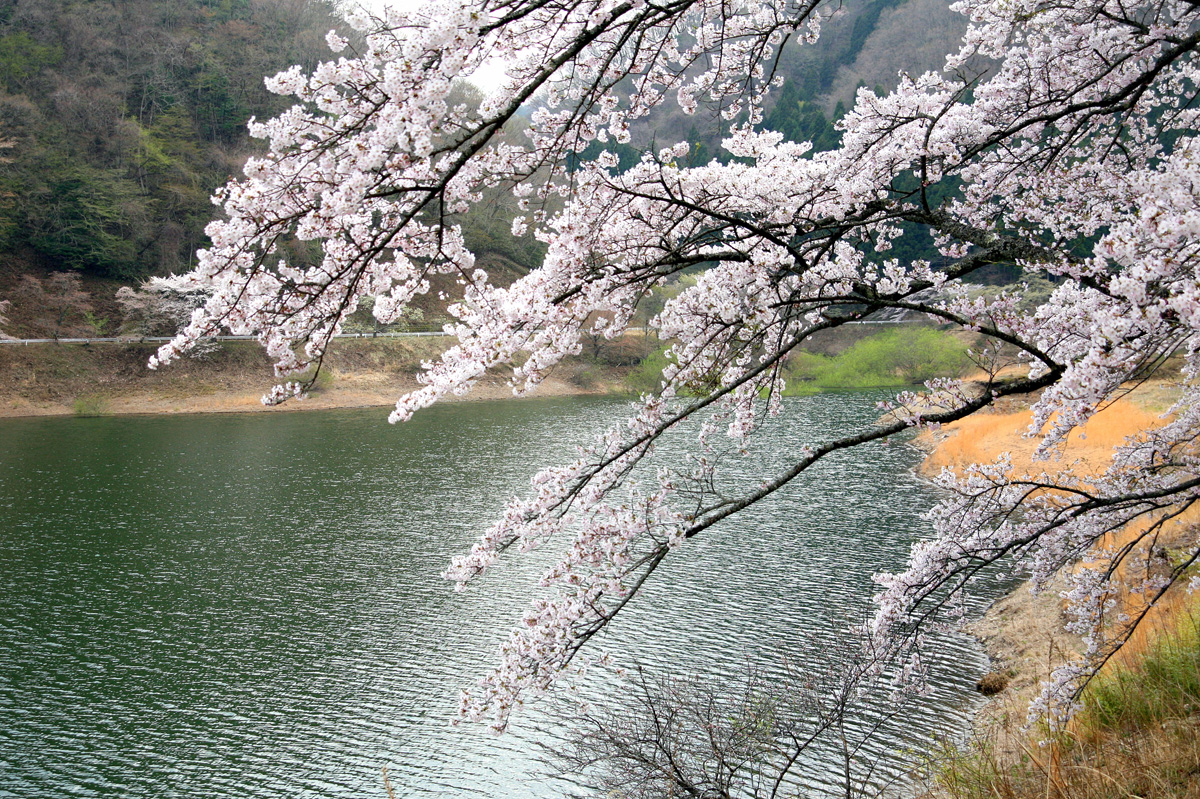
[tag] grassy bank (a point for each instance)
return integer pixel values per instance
(899, 356)
(852, 357)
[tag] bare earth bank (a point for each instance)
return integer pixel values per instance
(102, 379)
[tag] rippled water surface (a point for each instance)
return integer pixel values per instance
(250, 606)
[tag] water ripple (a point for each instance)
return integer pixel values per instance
(233, 606)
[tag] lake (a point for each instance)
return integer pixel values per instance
(251, 605)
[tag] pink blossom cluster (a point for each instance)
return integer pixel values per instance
(1066, 133)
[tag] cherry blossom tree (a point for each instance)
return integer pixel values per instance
(160, 306)
(1060, 137)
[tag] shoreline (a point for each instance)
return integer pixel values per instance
(83, 380)
(135, 404)
(1020, 633)
(1023, 634)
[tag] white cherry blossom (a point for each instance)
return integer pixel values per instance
(1073, 155)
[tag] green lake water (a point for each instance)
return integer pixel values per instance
(250, 605)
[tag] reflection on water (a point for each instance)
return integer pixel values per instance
(250, 606)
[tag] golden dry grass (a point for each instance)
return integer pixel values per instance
(984, 436)
(1161, 762)
(1165, 617)
(1160, 759)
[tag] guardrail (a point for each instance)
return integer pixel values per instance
(411, 334)
(152, 339)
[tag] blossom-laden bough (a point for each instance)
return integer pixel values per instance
(1060, 137)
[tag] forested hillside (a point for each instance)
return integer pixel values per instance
(866, 44)
(120, 117)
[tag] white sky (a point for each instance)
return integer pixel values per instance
(487, 77)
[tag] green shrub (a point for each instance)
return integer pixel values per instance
(586, 377)
(646, 377)
(91, 405)
(897, 357)
(325, 379)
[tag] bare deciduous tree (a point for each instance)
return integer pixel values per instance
(55, 307)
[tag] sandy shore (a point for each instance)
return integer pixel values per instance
(354, 391)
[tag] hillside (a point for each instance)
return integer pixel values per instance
(118, 120)
(866, 44)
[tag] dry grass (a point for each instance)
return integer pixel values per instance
(1161, 763)
(984, 436)
(1174, 609)
(1139, 732)
(1088, 451)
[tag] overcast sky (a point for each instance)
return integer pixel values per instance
(487, 78)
